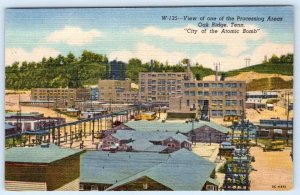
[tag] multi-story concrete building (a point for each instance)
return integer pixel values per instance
(185, 94)
(220, 97)
(117, 91)
(61, 96)
(159, 86)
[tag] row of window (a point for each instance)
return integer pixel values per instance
(161, 81)
(161, 75)
(161, 88)
(213, 85)
(213, 93)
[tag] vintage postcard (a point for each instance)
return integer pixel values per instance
(149, 98)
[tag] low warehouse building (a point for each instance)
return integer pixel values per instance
(180, 171)
(201, 131)
(122, 139)
(42, 168)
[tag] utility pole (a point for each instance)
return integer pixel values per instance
(287, 117)
(48, 98)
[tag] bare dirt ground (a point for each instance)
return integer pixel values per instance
(210, 152)
(254, 116)
(12, 104)
(249, 76)
(274, 170)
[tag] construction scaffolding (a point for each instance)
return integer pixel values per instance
(238, 167)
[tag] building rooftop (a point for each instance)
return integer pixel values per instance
(275, 123)
(23, 114)
(182, 170)
(37, 101)
(182, 127)
(146, 146)
(149, 135)
(8, 126)
(38, 154)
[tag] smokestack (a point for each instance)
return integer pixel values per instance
(188, 66)
(151, 65)
(223, 77)
(216, 74)
(107, 70)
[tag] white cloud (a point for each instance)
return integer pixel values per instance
(235, 43)
(73, 35)
(18, 54)
(147, 52)
(256, 56)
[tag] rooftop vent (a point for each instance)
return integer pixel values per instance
(45, 145)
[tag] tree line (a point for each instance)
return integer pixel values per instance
(71, 71)
(283, 59)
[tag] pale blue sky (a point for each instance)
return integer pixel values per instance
(119, 35)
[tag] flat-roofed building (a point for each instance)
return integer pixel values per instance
(32, 121)
(117, 91)
(220, 97)
(61, 96)
(185, 94)
(160, 86)
(275, 128)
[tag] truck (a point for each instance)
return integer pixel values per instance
(274, 146)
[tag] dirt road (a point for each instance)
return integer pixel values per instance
(274, 170)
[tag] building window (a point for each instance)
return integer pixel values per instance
(220, 93)
(200, 84)
(188, 102)
(233, 93)
(94, 188)
(234, 102)
(201, 102)
(81, 187)
(214, 112)
(186, 85)
(145, 186)
(200, 93)
(228, 85)
(227, 103)
(192, 84)
(220, 85)
(192, 93)
(214, 93)
(214, 85)
(206, 84)
(206, 93)
(186, 93)
(210, 188)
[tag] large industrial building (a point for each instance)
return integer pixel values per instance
(117, 91)
(185, 94)
(217, 98)
(116, 88)
(159, 87)
(60, 96)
